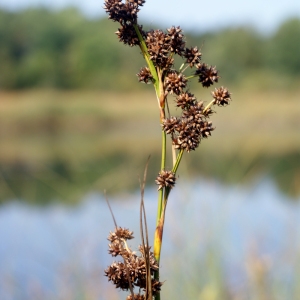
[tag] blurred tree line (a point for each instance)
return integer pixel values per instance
(42, 48)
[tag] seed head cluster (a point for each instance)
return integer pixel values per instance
(193, 125)
(188, 130)
(132, 270)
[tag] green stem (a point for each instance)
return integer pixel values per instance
(158, 86)
(150, 64)
(174, 170)
(211, 103)
(162, 204)
(160, 212)
(178, 159)
(190, 77)
(162, 167)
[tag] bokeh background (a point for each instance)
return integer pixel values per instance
(74, 121)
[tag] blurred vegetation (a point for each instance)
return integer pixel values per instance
(67, 127)
(58, 145)
(42, 48)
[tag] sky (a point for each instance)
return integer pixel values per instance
(264, 15)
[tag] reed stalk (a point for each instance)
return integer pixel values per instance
(159, 50)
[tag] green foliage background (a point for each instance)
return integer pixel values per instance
(73, 118)
(42, 48)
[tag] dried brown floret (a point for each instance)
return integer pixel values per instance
(145, 75)
(120, 233)
(128, 36)
(116, 248)
(188, 138)
(158, 45)
(156, 286)
(192, 56)
(207, 75)
(194, 114)
(169, 125)
(221, 96)
(116, 273)
(206, 128)
(152, 260)
(177, 42)
(185, 100)
(192, 127)
(112, 7)
(123, 13)
(165, 179)
(175, 82)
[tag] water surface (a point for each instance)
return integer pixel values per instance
(56, 252)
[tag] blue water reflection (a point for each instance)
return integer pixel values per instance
(55, 252)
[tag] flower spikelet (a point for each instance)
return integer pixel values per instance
(175, 82)
(116, 248)
(156, 286)
(206, 128)
(158, 44)
(192, 56)
(195, 114)
(152, 260)
(116, 273)
(188, 137)
(120, 233)
(185, 100)
(177, 42)
(221, 96)
(128, 36)
(169, 125)
(123, 13)
(165, 179)
(145, 75)
(207, 75)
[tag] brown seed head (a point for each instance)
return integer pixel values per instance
(221, 96)
(158, 45)
(177, 42)
(124, 13)
(192, 56)
(206, 128)
(188, 137)
(120, 233)
(185, 100)
(116, 248)
(116, 273)
(194, 114)
(169, 125)
(175, 82)
(128, 36)
(165, 179)
(152, 260)
(156, 286)
(145, 75)
(207, 75)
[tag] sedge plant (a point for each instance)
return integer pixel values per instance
(159, 49)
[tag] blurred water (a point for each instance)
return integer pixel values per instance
(55, 252)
